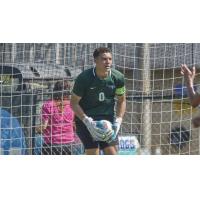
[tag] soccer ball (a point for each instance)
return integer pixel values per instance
(106, 128)
(104, 125)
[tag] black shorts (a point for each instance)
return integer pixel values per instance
(56, 149)
(87, 139)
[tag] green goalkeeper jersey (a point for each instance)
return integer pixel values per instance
(98, 95)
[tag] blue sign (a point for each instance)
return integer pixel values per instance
(12, 139)
(128, 145)
(180, 90)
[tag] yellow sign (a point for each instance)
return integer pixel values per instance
(183, 106)
(6, 79)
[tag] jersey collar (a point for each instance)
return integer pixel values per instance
(94, 71)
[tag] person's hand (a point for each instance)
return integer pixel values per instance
(116, 126)
(188, 74)
(96, 133)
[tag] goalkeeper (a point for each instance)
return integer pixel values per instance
(99, 94)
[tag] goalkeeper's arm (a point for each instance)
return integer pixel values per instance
(121, 106)
(76, 107)
(120, 111)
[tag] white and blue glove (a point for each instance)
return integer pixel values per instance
(116, 127)
(97, 134)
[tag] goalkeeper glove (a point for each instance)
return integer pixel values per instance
(96, 133)
(116, 126)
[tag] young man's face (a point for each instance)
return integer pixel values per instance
(104, 61)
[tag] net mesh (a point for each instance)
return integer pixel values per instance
(158, 111)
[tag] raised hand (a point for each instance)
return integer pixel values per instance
(188, 74)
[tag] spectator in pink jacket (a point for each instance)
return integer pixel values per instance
(58, 122)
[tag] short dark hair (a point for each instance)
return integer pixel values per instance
(61, 89)
(101, 50)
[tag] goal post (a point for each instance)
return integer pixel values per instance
(144, 65)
